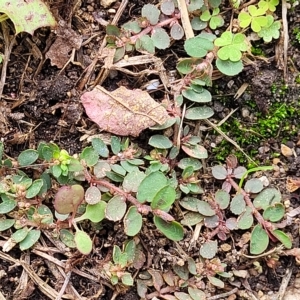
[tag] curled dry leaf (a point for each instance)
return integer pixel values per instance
(292, 184)
(286, 151)
(123, 112)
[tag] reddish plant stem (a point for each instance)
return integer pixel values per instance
(148, 29)
(142, 208)
(267, 225)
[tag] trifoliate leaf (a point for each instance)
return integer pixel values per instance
(271, 30)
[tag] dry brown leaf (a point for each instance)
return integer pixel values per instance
(286, 151)
(67, 39)
(123, 112)
(292, 184)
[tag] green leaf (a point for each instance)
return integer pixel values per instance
(151, 12)
(132, 181)
(46, 214)
(199, 113)
(116, 208)
(145, 43)
(205, 209)
(160, 141)
(20, 235)
(195, 5)
(245, 221)
(237, 205)
(95, 213)
(254, 16)
(31, 238)
(271, 30)
(90, 156)
(191, 218)
(27, 15)
(132, 26)
(219, 172)
(253, 185)
(197, 24)
(216, 281)
(268, 5)
(131, 250)
(199, 97)
(209, 249)
(100, 169)
(160, 38)
(118, 169)
(259, 240)
(198, 46)
(100, 147)
(115, 144)
(172, 230)
(127, 279)
(92, 195)
(133, 221)
(196, 294)
(187, 65)
(83, 242)
(232, 46)
(7, 206)
(28, 157)
(189, 161)
(6, 224)
(167, 7)
(267, 197)
(196, 151)
(67, 238)
(229, 67)
(113, 30)
(222, 198)
(164, 198)
(190, 203)
(274, 213)
(177, 32)
(35, 188)
(150, 186)
(283, 238)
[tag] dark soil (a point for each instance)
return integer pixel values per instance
(45, 106)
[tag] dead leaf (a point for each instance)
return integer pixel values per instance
(286, 151)
(67, 39)
(123, 112)
(292, 184)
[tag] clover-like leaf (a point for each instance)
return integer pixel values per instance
(268, 4)
(151, 12)
(271, 30)
(232, 46)
(255, 17)
(215, 20)
(259, 240)
(198, 46)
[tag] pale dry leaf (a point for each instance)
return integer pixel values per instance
(292, 184)
(123, 112)
(286, 151)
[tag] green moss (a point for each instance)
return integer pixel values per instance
(250, 136)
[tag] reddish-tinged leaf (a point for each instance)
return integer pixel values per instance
(123, 112)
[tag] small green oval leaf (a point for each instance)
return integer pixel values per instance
(28, 157)
(259, 240)
(199, 113)
(31, 238)
(160, 141)
(83, 242)
(172, 230)
(133, 221)
(116, 208)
